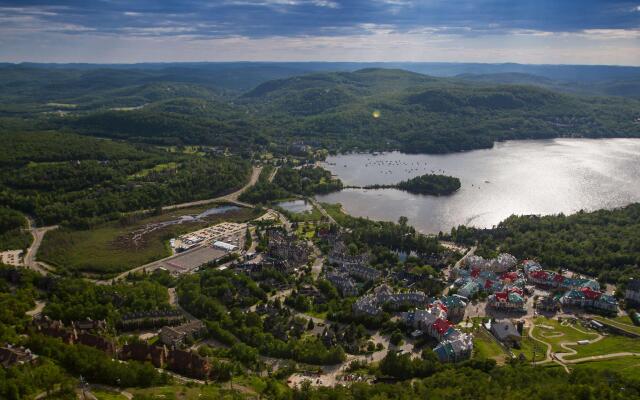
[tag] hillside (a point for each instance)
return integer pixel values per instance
(370, 108)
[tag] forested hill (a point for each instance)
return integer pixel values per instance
(370, 108)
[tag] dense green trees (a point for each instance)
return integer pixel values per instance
(82, 181)
(289, 182)
(604, 243)
(12, 236)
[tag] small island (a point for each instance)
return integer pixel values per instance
(436, 185)
(430, 184)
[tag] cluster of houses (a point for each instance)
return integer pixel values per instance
(433, 320)
(168, 354)
(150, 319)
(11, 356)
(87, 332)
(496, 277)
(372, 304)
(577, 292)
(287, 248)
(342, 277)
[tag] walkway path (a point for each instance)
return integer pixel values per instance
(322, 210)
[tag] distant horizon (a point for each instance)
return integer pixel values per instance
(544, 32)
(316, 62)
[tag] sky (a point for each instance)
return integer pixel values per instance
(126, 31)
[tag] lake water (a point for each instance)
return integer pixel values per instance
(514, 177)
(295, 206)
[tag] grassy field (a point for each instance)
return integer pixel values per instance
(104, 395)
(622, 322)
(200, 392)
(610, 344)
(486, 347)
(552, 332)
(157, 168)
(108, 249)
(626, 366)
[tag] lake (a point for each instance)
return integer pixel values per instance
(514, 177)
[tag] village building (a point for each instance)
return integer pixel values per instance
(456, 349)
(345, 285)
(510, 299)
(287, 248)
(101, 343)
(150, 319)
(588, 298)
(632, 292)
(506, 332)
(55, 328)
(10, 356)
(189, 364)
(143, 352)
(176, 336)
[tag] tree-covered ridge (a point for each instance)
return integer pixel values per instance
(335, 110)
(432, 184)
(60, 177)
(604, 243)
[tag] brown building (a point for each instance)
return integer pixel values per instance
(11, 356)
(189, 364)
(99, 342)
(143, 352)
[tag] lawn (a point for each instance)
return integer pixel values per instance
(108, 249)
(487, 347)
(157, 168)
(622, 322)
(626, 366)
(552, 332)
(104, 395)
(610, 344)
(201, 392)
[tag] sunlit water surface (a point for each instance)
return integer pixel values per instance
(514, 177)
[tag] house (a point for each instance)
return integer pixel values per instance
(456, 349)
(362, 272)
(11, 356)
(506, 332)
(49, 327)
(89, 325)
(344, 284)
(189, 364)
(588, 298)
(632, 292)
(549, 303)
(99, 342)
(150, 319)
(456, 306)
(143, 352)
(469, 289)
(287, 248)
(510, 299)
(175, 336)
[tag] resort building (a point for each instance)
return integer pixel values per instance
(632, 292)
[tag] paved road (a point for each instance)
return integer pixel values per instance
(229, 198)
(30, 257)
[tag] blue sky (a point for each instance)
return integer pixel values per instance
(543, 31)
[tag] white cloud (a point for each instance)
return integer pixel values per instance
(326, 3)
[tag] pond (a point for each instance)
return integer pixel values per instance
(514, 177)
(295, 206)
